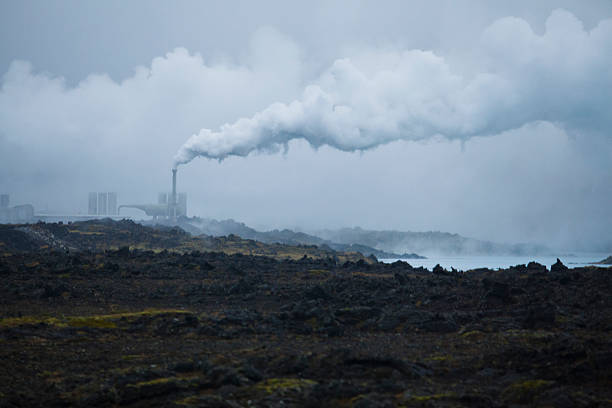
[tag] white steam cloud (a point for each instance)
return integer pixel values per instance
(563, 76)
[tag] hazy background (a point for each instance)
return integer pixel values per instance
(99, 97)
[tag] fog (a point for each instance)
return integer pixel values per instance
(491, 121)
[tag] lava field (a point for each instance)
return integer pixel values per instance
(164, 324)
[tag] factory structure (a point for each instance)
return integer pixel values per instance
(17, 214)
(169, 207)
(102, 204)
(105, 206)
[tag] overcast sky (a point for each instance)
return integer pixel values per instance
(487, 119)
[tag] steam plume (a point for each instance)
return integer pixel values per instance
(561, 76)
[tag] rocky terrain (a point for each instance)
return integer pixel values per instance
(214, 228)
(431, 242)
(101, 235)
(607, 261)
(117, 314)
(382, 244)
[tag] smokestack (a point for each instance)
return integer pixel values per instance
(173, 205)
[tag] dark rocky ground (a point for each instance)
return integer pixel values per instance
(607, 261)
(121, 327)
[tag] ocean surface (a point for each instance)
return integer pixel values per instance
(464, 263)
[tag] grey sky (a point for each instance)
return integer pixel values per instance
(536, 182)
(75, 38)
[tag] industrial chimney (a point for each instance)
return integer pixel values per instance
(173, 203)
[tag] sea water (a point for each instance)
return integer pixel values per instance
(464, 263)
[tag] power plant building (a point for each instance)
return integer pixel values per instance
(99, 204)
(181, 207)
(102, 203)
(92, 208)
(169, 205)
(18, 214)
(112, 204)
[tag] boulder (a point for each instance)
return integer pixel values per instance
(558, 267)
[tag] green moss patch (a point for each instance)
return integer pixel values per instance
(525, 391)
(425, 398)
(108, 321)
(273, 385)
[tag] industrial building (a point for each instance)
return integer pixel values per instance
(111, 203)
(181, 205)
(92, 208)
(102, 204)
(17, 214)
(168, 207)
